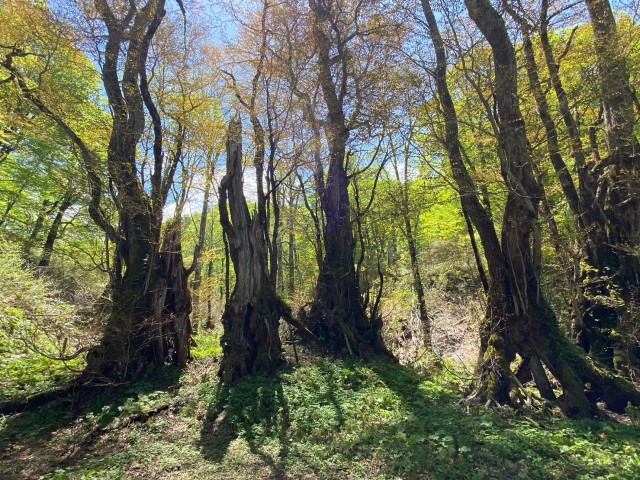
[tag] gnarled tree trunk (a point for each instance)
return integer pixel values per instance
(146, 279)
(250, 342)
(533, 329)
(619, 183)
(518, 320)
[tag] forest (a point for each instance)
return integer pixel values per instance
(319, 239)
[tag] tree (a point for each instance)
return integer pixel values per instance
(143, 330)
(337, 315)
(618, 185)
(250, 342)
(517, 320)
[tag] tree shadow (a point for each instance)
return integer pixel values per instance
(480, 443)
(84, 412)
(254, 409)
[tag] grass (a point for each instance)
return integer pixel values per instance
(323, 420)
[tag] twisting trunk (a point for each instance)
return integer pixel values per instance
(134, 337)
(493, 366)
(130, 338)
(532, 323)
(250, 342)
(337, 315)
(597, 256)
(532, 328)
(52, 236)
(619, 184)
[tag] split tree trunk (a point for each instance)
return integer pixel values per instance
(250, 342)
(174, 304)
(533, 328)
(518, 320)
(134, 338)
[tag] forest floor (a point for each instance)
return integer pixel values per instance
(324, 419)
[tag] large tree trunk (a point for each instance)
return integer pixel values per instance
(250, 342)
(620, 182)
(533, 328)
(130, 335)
(493, 365)
(517, 319)
(174, 305)
(337, 315)
(146, 279)
(600, 311)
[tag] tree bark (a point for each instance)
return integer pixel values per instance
(597, 256)
(518, 319)
(533, 328)
(250, 342)
(337, 315)
(620, 182)
(177, 304)
(135, 338)
(493, 384)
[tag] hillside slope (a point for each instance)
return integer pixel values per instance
(322, 420)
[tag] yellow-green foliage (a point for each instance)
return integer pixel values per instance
(32, 320)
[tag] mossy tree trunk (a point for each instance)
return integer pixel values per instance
(618, 184)
(150, 295)
(493, 379)
(518, 320)
(599, 289)
(131, 334)
(533, 329)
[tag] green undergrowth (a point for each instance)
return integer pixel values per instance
(36, 326)
(323, 420)
(206, 346)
